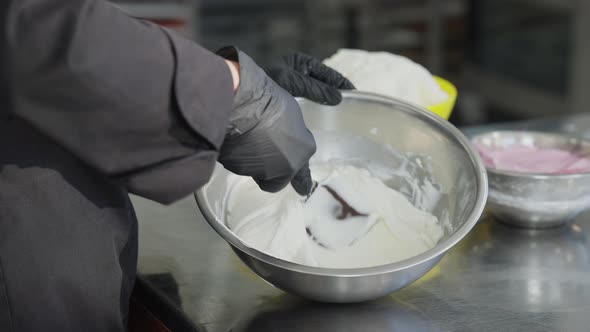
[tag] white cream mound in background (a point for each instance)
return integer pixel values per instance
(388, 74)
(279, 224)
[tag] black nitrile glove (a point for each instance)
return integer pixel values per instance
(267, 138)
(307, 77)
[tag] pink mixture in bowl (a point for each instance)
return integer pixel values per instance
(530, 159)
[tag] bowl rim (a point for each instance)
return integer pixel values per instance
(439, 249)
(534, 176)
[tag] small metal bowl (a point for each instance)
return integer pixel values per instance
(536, 200)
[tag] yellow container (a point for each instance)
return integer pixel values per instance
(445, 108)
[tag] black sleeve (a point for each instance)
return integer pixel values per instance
(131, 99)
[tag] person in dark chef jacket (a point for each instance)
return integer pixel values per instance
(95, 105)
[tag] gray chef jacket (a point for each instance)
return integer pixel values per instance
(93, 105)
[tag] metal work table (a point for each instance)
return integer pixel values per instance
(498, 278)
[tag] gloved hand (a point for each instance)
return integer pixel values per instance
(267, 138)
(307, 77)
(304, 76)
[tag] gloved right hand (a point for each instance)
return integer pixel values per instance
(305, 76)
(267, 138)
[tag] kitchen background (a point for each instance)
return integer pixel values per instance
(510, 59)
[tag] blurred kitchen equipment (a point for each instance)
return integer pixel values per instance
(405, 128)
(529, 58)
(536, 200)
(176, 15)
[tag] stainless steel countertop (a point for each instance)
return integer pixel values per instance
(498, 278)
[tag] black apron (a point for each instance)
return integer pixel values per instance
(68, 240)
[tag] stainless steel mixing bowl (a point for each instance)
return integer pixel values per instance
(536, 200)
(377, 121)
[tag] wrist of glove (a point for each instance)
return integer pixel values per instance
(305, 76)
(267, 138)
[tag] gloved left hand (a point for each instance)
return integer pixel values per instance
(305, 76)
